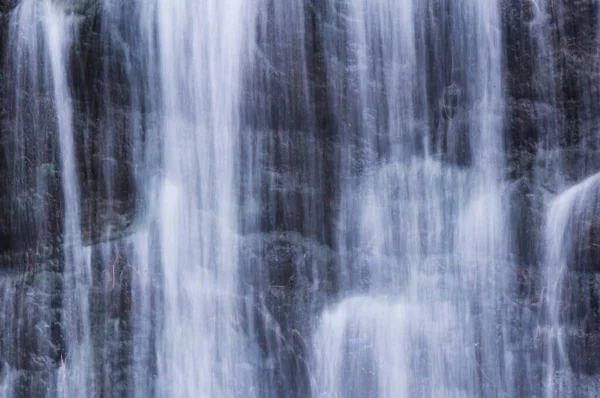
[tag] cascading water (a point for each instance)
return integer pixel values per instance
(336, 198)
(423, 244)
(567, 223)
(201, 53)
(198, 347)
(43, 34)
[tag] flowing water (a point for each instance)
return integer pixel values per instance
(567, 218)
(264, 198)
(424, 245)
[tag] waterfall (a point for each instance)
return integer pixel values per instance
(418, 236)
(299, 198)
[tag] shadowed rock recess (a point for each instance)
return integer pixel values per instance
(299, 198)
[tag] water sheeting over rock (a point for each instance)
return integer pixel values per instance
(325, 198)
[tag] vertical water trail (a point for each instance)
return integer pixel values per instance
(200, 59)
(559, 213)
(372, 67)
(483, 234)
(546, 42)
(567, 132)
(27, 107)
(42, 33)
(287, 198)
(280, 112)
(565, 158)
(568, 226)
(8, 347)
(543, 50)
(77, 261)
(131, 60)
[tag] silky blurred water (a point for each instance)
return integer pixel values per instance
(322, 202)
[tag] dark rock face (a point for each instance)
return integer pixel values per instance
(36, 344)
(31, 196)
(285, 271)
(32, 344)
(549, 107)
(581, 312)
